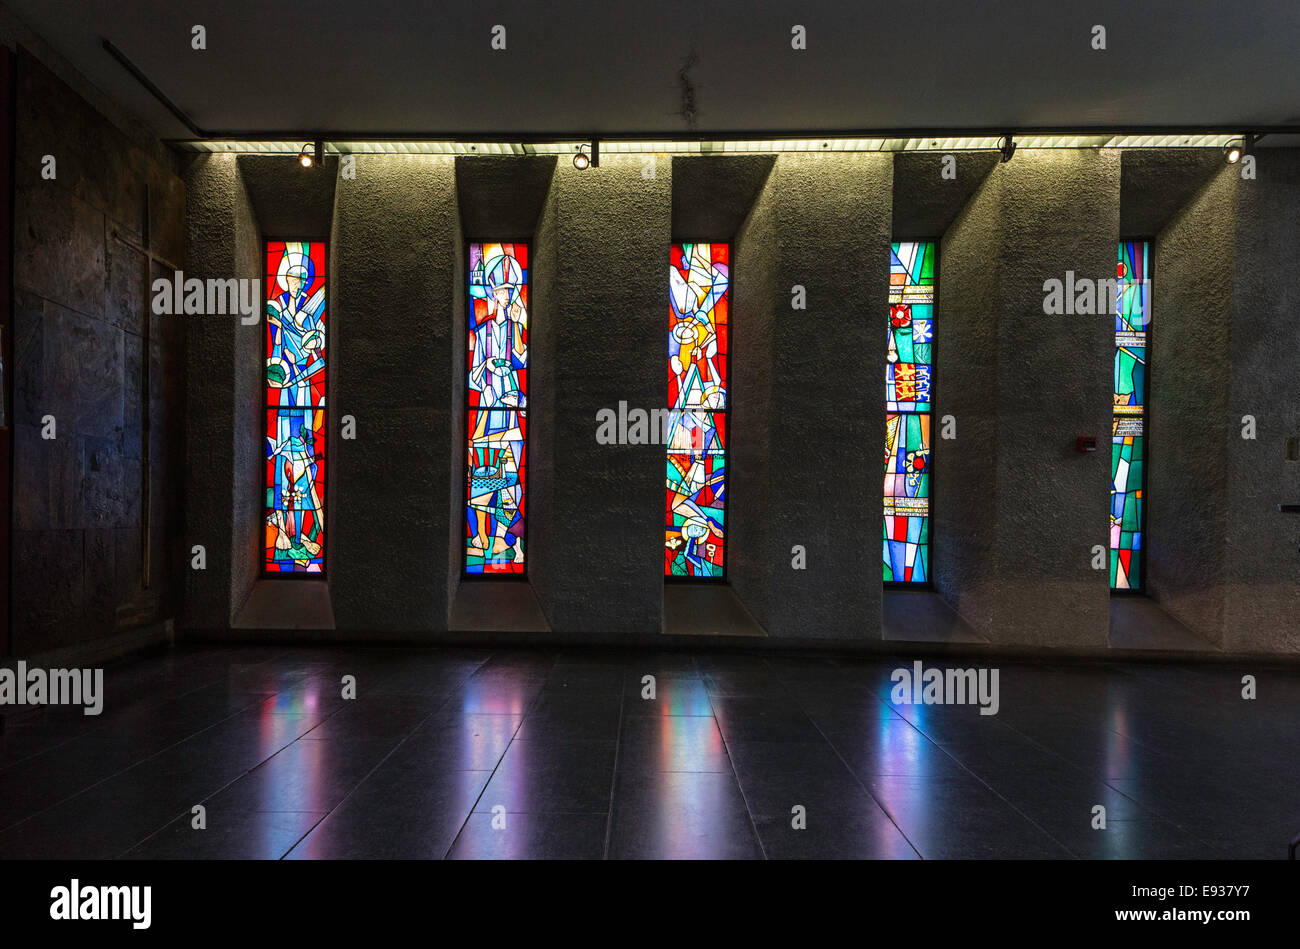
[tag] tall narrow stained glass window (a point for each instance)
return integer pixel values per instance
(907, 412)
(295, 407)
(1128, 429)
(497, 403)
(699, 276)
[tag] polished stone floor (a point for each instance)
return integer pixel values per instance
(561, 747)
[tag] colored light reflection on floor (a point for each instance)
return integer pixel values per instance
(583, 766)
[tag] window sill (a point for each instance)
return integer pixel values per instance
(921, 616)
(286, 604)
(1137, 622)
(497, 606)
(706, 609)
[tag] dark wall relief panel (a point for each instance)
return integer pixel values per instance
(96, 524)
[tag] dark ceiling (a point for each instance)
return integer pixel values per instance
(612, 66)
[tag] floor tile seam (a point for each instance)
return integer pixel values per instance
(497, 767)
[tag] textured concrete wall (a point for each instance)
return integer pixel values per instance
(821, 222)
(757, 303)
(391, 275)
(1221, 558)
(928, 206)
(396, 277)
(967, 324)
(713, 195)
(224, 439)
(1017, 509)
(1061, 212)
(501, 198)
(1156, 184)
(548, 534)
(612, 230)
(290, 201)
(1261, 563)
(925, 201)
(1189, 416)
(237, 203)
(455, 393)
(84, 346)
(249, 379)
(1027, 575)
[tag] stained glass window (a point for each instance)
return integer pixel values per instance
(295, 407)
(907, 412)
(699, 276)
(1128, 436)
(497, 415)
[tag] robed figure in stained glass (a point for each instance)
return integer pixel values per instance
(498, 364)
(298, 339)
(295, 394)
(295, 492)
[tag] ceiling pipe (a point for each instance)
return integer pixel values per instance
(157, 93)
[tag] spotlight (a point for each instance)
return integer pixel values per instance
(1238, 149)
(316, 157)
(1007, 146)
(582, 161)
